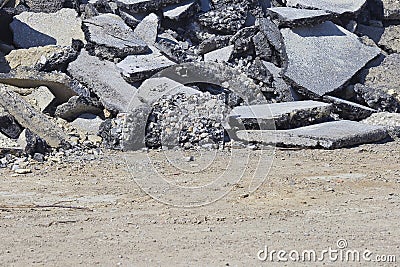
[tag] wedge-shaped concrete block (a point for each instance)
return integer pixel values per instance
(290, 17)
(337, 6)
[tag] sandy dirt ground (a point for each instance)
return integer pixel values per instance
(93, 212)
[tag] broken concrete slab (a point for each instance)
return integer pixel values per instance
(45, 5)
(323, 58)
(291, 17)
(8, 125)
(220, 55)
(348, 110)
(32, 119)
(147, 29)
(336, 7)
(389, 120)
(154, 88)
(40, 98)
(283, 115)
(390, 39)
(376, 98)
(386, 76)
(136, 6)
(109, 37)
(76, 106)
(180, 11)
(391, 9)
(61, 85)
(41, 29)
(104, 79)
(328, 135)
(43, 58)
(9, 146)
(139, 67)
(87, 123)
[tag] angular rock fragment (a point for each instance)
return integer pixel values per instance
(39, 29)
(136, 6)
(328, 135)
(390, 39)
(180, 11)
(220, 55)
(9, 146)
(348, 110)
(44, 58)
(104, 79)
(40, 98)
(270, 36)
(147, 29)
(291, 17)
(139, 67)
(376, 98)
(385, 77)
(154, 88)
(337, 7)
(76, 106)
(32, 119)
(324, 57)
(87, 123)
(108, 36)
(284, 115)
(61, 85)
(391, 9)
(389, 120)
(8, 125)
(47, 6)
(214, 43)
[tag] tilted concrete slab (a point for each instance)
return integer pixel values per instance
(323, 58)
(328, 135)
(104, 79)
(30, 118)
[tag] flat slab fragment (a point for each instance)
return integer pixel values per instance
(145, 5)
(337, 6)
(324, 57)
(288, 16)
(349, 110)
(104, 79)
(328, 135)
(109, 37)
(40, 29)
(220, 55)
(139, 67)
(32, 119)
(283, 115)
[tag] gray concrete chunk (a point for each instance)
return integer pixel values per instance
(337, 6)
(145, 5)
(328, 135)
(386, 76)
(179, 11)
(391, 9)
(40, 98)
(104, 79)
(284, 115)
(324, 57)
(289, 17)
(220, 55)
(32, 119)
(139, 67)
(147, 29)
(349, 110)
(108, 36)
(40, 29)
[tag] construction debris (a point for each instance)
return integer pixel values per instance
(186, 74)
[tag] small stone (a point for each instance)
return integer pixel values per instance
(23, 171)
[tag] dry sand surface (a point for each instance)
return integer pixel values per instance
(92, 212)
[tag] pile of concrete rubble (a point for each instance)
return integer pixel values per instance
(85, 74)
